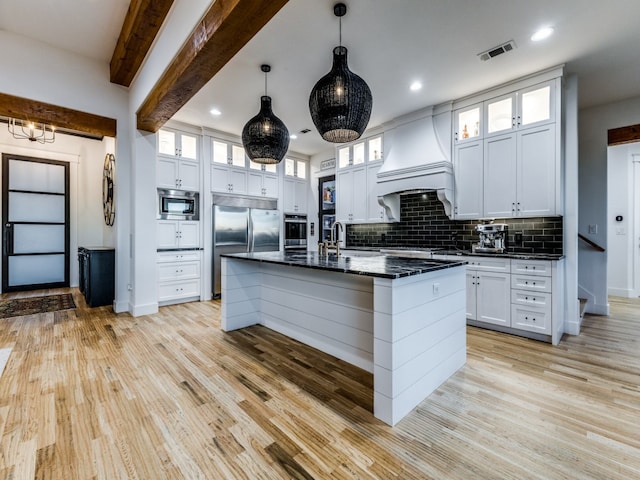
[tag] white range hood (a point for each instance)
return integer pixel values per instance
(417, 158)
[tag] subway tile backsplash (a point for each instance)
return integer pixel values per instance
(424, 224)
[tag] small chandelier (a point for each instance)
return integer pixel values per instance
(340, 102)
(265, 137)
(32, 131)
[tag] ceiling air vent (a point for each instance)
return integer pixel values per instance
(499, 50)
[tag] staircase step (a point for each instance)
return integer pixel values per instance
(583, 306)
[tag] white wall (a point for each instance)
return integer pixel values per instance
(85, 158)
(594, 124)
(37, 71)
(620, 236)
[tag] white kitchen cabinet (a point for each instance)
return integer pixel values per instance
(532, 298)
(175, 173)
(262, 180)
(499, 177)
(178, 276)
(512, 167)
(360, 152)
(227, 179)
(262, 184)
(178, 234)
(468, 167)
(296, 186)
(178, 161)
(375, 211)
(295, 196)
(356, 181)
(489, 290)
(525, 108)
(537, 172)
(351, 203)
(468, 124)
(228, 168)
(520, 174)
(173, 143)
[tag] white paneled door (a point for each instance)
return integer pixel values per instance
(35, 219)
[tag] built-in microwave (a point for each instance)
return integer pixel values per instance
(178, 205)
(295, 232)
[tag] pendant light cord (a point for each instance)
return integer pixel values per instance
(265, 84)
(340, 29)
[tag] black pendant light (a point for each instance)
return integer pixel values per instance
(340, 102)
(265, 137)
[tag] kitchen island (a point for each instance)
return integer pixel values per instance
(401, 319)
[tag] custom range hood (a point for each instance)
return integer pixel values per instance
(417, 159)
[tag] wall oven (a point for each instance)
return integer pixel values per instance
(295, 232)
(178, 205)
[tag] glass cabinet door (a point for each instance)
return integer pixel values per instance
(344, 158)
(375, 149)
(535, 105)
(220, 154)
(358, 153)
(468, 123)
(500, 114)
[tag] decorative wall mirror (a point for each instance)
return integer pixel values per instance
(108, 176)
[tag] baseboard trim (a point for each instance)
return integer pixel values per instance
(597, 308)
(621, 292)
(120, 306)
(139, 310)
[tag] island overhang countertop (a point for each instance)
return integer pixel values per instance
(382, 266)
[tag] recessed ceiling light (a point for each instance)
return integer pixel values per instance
(415, 86)
(293, 136)
(541, 34)
(215, 111)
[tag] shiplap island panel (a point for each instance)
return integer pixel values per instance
(401, 319)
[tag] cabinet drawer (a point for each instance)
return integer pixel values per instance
(178, 271)
(531, 267)
(532, 319)
(177, 290)
(488, 264)
(531, 299)
(531, 283)
(178, 256)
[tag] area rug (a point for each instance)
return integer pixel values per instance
(31, 305)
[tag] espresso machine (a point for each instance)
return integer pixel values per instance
(493, 238)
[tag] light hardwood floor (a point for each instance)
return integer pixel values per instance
(90, 394)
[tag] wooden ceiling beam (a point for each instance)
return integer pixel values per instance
(139, 29)
(622, 135)
(60, 117)
(221, 33)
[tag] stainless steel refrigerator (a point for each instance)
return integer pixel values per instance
(242, 224)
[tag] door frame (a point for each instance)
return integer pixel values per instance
(635, 216)
(6, 157)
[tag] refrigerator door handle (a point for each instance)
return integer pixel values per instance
(250, 232)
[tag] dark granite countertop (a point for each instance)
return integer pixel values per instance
(516, 255)
(452, 251)
(383, 266)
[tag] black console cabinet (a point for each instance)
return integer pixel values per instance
(97, 275)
